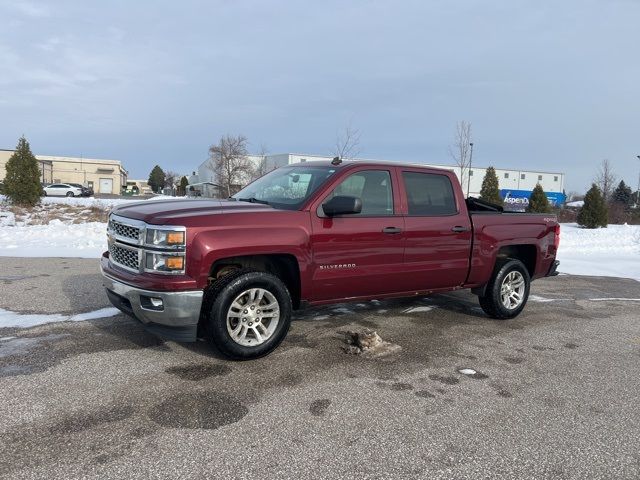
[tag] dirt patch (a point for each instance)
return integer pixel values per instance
(368, 343)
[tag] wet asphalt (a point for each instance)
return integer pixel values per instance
(555, 394)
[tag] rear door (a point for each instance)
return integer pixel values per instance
(437, 230)
(359, 254)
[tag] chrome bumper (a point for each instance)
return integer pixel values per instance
(175, 319)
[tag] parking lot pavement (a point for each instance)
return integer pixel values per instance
(554, 394)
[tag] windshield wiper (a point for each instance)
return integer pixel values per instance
(253, 200)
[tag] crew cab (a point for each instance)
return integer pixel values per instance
(232, 271)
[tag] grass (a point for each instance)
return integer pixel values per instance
(43, 214)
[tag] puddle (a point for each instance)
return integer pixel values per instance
(208, 410)
(199, 371)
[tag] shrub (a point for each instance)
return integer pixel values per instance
(22, 180)
(538, 202)
(594, 212)
(490, 191)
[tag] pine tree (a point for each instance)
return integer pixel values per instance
(490, 191)
(156, 179)
(183, 186)
(594, 212)
(538, 202)
(622, 195)
(22, 180)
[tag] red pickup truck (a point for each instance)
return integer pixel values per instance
(316, 233)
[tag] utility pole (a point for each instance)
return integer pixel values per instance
(470, 164)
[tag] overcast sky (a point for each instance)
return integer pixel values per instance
(547, 85)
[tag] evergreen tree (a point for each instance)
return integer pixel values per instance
(594, 212)
(22, 180)
(490, 191)
(183, 186)
(622, 195)
(538, 202)
(156, 179)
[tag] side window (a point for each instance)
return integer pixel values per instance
(372, 187)
(429, 194)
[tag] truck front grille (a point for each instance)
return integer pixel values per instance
(124, 257)
(124, 231)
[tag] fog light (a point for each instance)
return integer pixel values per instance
(151, 303)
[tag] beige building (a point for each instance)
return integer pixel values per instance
(104, 176)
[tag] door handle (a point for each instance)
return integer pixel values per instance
(460, 229)
(391, 230)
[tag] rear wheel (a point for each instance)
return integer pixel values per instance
(508, 290)
(248, 313)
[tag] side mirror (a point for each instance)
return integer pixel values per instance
(342, 205)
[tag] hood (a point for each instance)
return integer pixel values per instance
(180, 212)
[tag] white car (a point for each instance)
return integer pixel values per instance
(62, 190)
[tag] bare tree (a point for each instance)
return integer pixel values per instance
(460, 151)
(605, 179)
(261, 168)
(229, 160)
(171, 178)
(347, 144)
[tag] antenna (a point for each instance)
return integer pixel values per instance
(336, 161)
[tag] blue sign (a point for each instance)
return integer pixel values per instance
(520, 198)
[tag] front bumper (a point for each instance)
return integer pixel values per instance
(175, 319)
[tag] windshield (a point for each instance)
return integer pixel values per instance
(287, 187)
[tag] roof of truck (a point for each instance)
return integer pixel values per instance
(366, 163)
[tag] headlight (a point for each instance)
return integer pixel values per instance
(165, 238)
(160, 262)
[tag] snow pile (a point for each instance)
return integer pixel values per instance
(19, 320)
(611, 252)
(576, 204)
(57, 239)
(7, 219)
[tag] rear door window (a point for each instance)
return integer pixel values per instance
(429, 194)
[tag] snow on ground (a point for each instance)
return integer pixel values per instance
(611, 252)
(59, 227)
(57, 239)
(26, 320)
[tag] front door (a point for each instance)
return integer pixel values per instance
(359, 254)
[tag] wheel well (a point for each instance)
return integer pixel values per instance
(525, 253)
(284, 266)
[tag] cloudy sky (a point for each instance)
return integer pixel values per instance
(547, 85)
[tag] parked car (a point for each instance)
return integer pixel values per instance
(86, 191)
(315, 233)
(62, 190)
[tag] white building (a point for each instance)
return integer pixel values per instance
(515, 184)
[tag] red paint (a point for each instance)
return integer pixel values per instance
(426, 255)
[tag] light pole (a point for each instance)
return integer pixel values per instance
(469, 174)
(638, 190)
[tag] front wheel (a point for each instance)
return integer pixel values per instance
(248, 313)
(69, 194)
(507, 291)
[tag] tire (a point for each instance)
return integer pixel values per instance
(493, 301)
(70, 194)
(221, 316)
